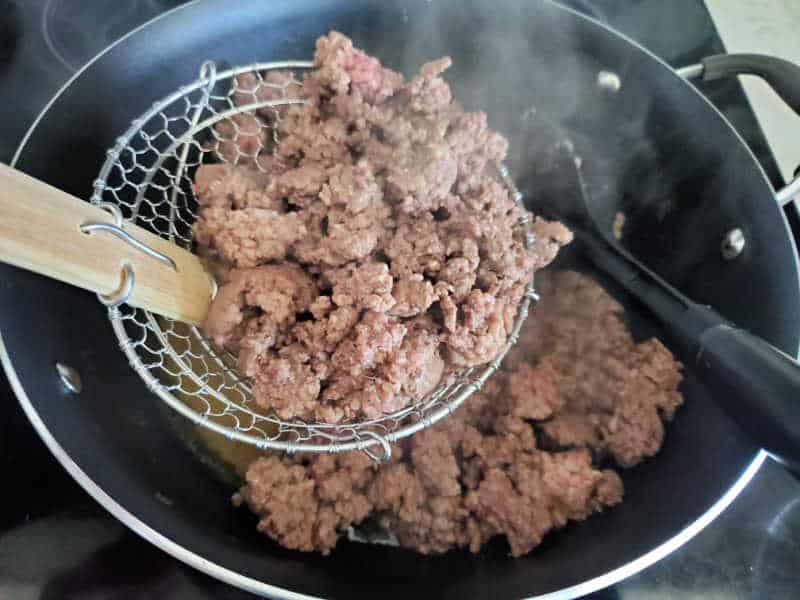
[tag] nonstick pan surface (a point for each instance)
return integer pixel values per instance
(656, 148)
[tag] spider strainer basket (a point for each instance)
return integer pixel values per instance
(148, 177)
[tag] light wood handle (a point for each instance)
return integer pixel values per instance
(40, 231)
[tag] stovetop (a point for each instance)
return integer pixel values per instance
(56, 543)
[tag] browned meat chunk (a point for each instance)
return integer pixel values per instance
(366, 286)
(534, 391)
(223, 186)
(250, 236)
(300, 186)
(286, 381)
(417, 366)
(324, 333)
(427, 92)
(373, 340)
(286, 495)
(481, 334)
(474, 146)
(413, 295)
(345, 70)
(416, 247)
(337, 236)
(305, 138)
(534, 496)
(615, 392)
(280, 291)
(549, 237)
(362, 394)
(353, 188)
(572, 430)
(421, 177)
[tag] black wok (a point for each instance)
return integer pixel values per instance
(655, 149)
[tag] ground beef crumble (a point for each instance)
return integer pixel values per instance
(379, 212)
(577, 381)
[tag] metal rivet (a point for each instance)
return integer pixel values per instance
(164, 499)
(70, 378)
(732, 244)
(609, 81)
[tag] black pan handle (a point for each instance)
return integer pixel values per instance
(781, 75)
(753, 382)
(760, 387)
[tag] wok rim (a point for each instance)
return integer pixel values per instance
(262, 588)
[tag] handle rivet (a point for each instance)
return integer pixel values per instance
(609, 81)
(70, 378)
(732, 244)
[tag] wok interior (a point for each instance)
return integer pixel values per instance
(654, 149)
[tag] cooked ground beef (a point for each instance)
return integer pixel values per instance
(372, 217)
(576, 378)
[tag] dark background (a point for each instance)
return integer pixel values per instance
(57, 543)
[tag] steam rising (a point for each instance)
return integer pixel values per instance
(533, 68)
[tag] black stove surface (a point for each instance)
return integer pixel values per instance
(56, 543)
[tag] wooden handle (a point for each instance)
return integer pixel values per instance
(40, 231)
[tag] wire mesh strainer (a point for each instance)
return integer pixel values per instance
(148, 176)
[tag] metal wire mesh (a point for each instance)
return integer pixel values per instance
(148, 175)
